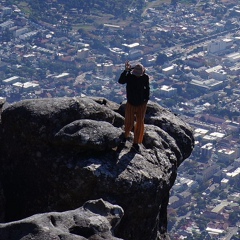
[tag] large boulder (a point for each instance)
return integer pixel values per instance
(59, 153)
(95, 220)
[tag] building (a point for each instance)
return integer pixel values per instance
(20, 31)
(234, 57)
(174, 202)
(167, 91)
(220, 45)
(207, 172)
(111, 27)
(28, 35)
(234, 174)
(135, 53)
(235, 69)
(209, 84)
(218, 75)
(218, 135)
(232, 126)
(206, 150)
(186, 197)
(130, 47)
(211, 188)
(236, 162)
(224, 183)
(195, 61)
(107, 68)
(220, 207)
(10, 80)
(199, 133)
(235, 197)
(209, 139)
(26, 85)
(6, 25)
(61, 77)
(217, 177)
(227, 155)
(183, 184)
(6, 11)
(214, 231)
(83, 53)
(169, 70)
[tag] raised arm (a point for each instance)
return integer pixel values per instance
(123, 77)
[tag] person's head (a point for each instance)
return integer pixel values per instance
(138, 70)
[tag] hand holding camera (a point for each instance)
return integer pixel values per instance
(128, 66)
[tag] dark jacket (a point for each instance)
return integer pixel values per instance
(137, 88)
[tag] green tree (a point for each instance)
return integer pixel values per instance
(233, 217)
(161, 58)
(169, 102)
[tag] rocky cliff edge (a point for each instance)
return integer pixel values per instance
(62, 153)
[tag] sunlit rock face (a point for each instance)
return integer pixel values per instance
(56, 154)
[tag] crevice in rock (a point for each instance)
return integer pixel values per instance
(82, 231)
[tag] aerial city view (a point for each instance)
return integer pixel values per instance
(191, 52)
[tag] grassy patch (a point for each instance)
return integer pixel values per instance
(25, 7)
(85, 27)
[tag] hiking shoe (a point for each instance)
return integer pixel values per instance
(124, 139)
(136, 147)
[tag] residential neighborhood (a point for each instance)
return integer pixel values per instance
(191, 53)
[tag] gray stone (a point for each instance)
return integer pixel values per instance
(95, 220)
(56, 154)
(88, 135)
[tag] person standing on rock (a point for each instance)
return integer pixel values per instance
(137, 92)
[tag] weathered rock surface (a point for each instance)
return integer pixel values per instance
(95, 220)
(59, 153)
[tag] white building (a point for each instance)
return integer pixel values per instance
(208, 138)
(61, 76)
(10, 80)
(233, 174)
(168, 91)
(224, 182)
(26, 85)
(220, 45)
(218, 135)
(234, 57)
(132, 46)
(209, 84)
(200, 132)
(169, 70)
(112, 27)
(217, 73)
